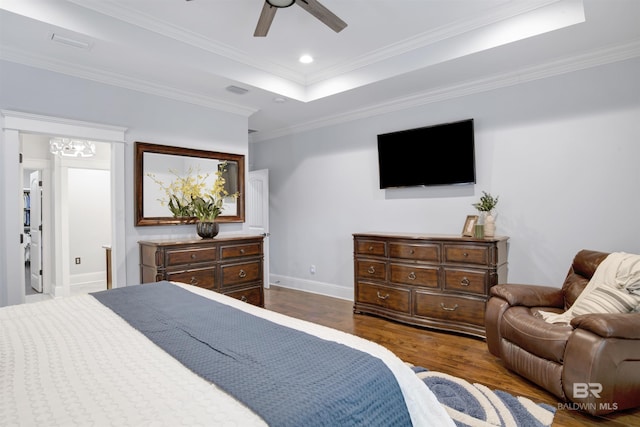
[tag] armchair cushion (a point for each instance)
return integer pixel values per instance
(582, 269)
(546, 340)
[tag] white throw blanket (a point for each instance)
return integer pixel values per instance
(619, 271)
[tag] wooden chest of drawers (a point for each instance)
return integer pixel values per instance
(440, 282)
(232, 265)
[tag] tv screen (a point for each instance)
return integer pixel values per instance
(434, 155)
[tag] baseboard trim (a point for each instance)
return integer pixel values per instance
(321, 288)
(92, 278)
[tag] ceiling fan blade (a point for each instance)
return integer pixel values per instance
(265, 20)
(323, 14)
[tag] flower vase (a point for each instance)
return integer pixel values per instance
(207, 229)
(489, 225)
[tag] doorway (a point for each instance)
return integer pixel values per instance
(73, 190)
(14, 124)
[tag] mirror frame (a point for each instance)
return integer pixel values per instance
(144, 147)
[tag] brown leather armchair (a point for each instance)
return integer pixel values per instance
(594, 362)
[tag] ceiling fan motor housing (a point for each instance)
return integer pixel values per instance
(281, 3)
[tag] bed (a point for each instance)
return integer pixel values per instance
(116, 358)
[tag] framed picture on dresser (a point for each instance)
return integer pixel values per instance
(469, 225)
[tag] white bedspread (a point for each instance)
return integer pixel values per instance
(72, 361)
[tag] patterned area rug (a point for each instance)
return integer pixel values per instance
(475, 405)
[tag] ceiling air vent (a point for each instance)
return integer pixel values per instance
(69, 41)
(237, 90)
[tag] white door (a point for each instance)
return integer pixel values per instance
(35, 230)
(258, 212)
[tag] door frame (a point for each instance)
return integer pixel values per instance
(258, 214)
(15, 122)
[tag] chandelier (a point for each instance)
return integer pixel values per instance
(68, 147)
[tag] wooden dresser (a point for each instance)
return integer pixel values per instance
(439, 282)
(231, 265)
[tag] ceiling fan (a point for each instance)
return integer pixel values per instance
(312, 6)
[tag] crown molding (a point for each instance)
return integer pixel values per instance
(120, 80)
(429, 38)
(604, 56)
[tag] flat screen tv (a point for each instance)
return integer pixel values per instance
(434, 155)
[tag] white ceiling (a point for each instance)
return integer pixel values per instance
(393, 53)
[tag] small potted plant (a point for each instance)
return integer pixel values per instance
(487, 202)
(485, 207)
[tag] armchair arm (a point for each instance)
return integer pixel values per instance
(603, 349)
(607, 325)
(529, 295)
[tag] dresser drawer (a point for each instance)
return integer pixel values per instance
(466, 254)
(396, 299)
(371, 247)
(235, 274)
(414, 275)
(189, 256)
(427, 253)
(253, 295)
(235, 251)
(472, 281)
(371, 270)
(452, 308)
(201, 277)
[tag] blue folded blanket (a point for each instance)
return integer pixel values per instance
(287, 377)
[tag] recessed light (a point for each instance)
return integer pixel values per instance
(306, 59)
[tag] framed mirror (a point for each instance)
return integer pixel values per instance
(160, 168)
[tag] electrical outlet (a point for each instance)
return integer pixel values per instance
(312, 269)
(77, 260)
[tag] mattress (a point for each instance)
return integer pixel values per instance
(73, 361)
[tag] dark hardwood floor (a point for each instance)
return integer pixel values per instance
(461, 356)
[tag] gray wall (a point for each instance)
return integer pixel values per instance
(562, 153)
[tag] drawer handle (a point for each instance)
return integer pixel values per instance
(370, 248)
(412, 252)
(371, 270)
(242, 251)
(464, 254)
(243, 298)
(382, 297)
(193, 256)
(194, 280)
(465, 282)
(412, 276)
(445, 308)
(242, 274)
